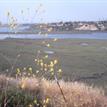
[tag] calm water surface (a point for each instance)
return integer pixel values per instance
(59, 36)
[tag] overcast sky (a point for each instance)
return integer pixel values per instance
(53, 10)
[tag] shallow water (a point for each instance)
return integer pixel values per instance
(59, 36)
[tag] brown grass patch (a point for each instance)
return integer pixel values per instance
(76, 94)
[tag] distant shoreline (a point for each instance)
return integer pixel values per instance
(63, 32)
(56, 28)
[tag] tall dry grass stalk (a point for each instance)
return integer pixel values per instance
(76, 94)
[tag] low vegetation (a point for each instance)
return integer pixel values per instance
(86, 63)
(36, 92)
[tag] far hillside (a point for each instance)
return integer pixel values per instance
(56, 28)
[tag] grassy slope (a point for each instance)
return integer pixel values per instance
(85, 63)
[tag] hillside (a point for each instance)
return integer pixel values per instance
(58, 27)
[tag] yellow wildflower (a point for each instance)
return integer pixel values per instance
(24, 68)
(30, 69)
(18, 71)
(52, 73)
(47, 100)
(37, 71)
(46, 56)
(35, 60)
(55, 61)
(48, 45)
(60, 71)
(51, 70)
(35, 101)
(51, 64)
(23, 85)
(41, 64)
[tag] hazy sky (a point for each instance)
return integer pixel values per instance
(53, 10)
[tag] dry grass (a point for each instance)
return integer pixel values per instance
(76, 94)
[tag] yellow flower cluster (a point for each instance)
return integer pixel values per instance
(12, 21)
(46, 102)
(35, 102)
(50, 66)
(45, 64)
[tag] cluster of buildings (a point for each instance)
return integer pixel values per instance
(79, 26)
(58, 27)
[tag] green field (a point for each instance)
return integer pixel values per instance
(80, 60)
